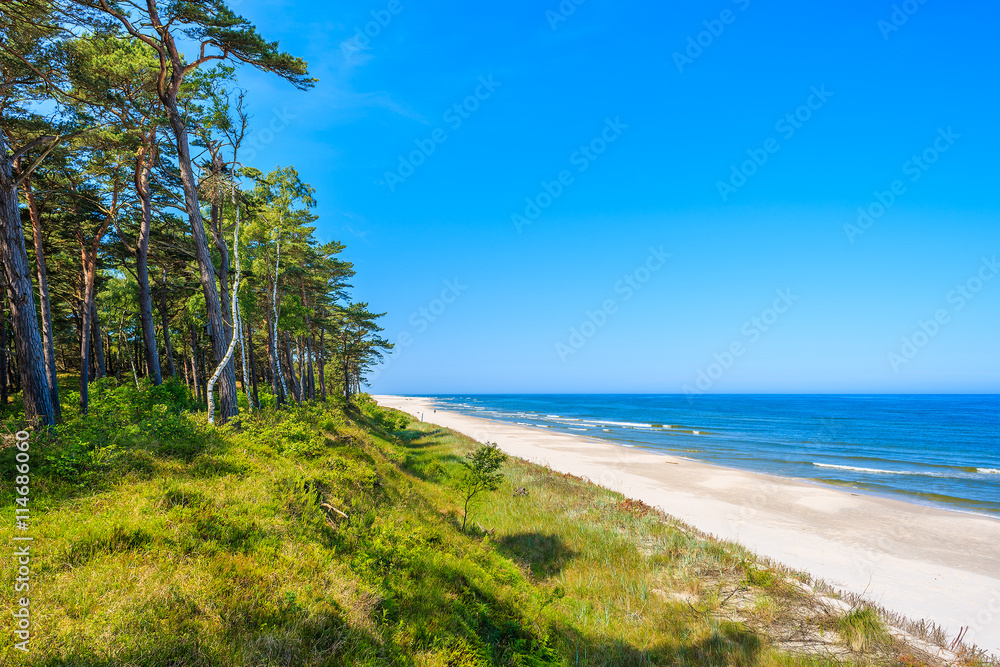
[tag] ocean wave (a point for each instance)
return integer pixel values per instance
(876, 471)
(625, 424)
(915, 473)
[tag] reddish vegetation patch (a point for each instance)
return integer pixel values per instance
(636, 507)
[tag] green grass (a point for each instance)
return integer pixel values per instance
(863, 629)
(175, 544)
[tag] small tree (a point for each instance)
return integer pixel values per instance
(482, 473)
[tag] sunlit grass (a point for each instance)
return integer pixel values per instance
(231, 547)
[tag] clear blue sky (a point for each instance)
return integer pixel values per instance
(673, 127)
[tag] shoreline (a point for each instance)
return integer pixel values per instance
(944, 499)
(898, 496)
(922, 561)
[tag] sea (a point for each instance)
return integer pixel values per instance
(939, 450)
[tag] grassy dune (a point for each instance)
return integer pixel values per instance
(329, 535)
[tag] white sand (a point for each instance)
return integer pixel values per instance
(920, 561)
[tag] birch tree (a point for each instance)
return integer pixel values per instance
(219, 35)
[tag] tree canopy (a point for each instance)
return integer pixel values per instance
(155, 253)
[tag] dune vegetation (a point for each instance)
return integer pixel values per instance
(331, 534)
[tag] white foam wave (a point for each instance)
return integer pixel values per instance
(916, 473)
(608, 422)
(876, 471)
(988, 471)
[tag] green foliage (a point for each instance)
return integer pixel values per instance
(387, 420)
(759, 577)
(291, 432)
(482, 473)
(296, 440)
(126, 427)
(253, 553)
(863, 629)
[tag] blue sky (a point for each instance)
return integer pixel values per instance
(739, 138)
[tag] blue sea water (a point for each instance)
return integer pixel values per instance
(938, 450)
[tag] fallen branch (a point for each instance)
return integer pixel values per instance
(334, 509)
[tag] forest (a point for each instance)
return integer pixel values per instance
(137, 244)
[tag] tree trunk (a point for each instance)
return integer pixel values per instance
(38, 408)
(253, 364)
(303, 384)
(43, 291)
(346, 368)
(184, 357)
(102, 369)
(194, 362)
(265, 374)
(165, 324)
(124, 348)
(145, 159)
(92, 368)
(228, 405)
(202, 373)
(277, 384)
(118, 354)
(3, 354)
(138, 358)
(145, 296)
(310, 343)
(322, 363)
(312, 374)
(107, 347)
(86, 311)
(294, 383)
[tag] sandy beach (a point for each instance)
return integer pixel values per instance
(923, 562)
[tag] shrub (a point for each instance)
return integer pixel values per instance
(863, 629)
(482, 473)
(387, 420)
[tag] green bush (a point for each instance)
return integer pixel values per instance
(387, 420)
(863, 629)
